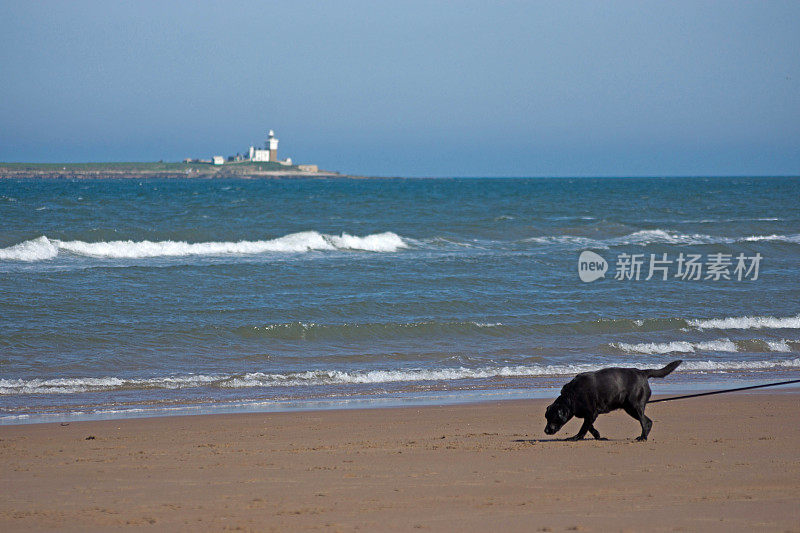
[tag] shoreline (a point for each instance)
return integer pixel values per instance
(715, 463)
(210, 173)
(350, 403)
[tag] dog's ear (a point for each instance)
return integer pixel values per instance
(563, 412)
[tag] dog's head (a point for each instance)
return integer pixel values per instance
(558, 413)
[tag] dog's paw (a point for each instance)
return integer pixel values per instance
(574, 438)
(641, 439)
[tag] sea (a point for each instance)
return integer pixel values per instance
(157, 296)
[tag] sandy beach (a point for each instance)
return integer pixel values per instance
(717, 463)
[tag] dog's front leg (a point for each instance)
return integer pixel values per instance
(587, 423)
(595, 433)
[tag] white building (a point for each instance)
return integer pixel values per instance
(218, 160)
(268, 153)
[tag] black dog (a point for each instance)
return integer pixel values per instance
(594, 393)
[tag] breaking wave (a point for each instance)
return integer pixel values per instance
(39, 249)
(719, 345)
(780, 238)
(42, 248)
(747, 322)
(779, 346)
(338, 377)
(656, 236)
(726, 366)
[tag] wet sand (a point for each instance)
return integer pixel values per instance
(719, 463)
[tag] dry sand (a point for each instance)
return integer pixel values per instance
(719, 463)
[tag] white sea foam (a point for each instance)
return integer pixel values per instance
(337, 377)
(94, 384)
(657, 236)
(779, 346)
(661, 236)
(334, 377)
(643, 237)
(582, 242)
(39, 249)
(747, 322)
(782, 238)
(720, 345)
(670, 237)
(722, 220)
(725, 366)
(42, 248)
(667, 237)
(259, 379)
(378, 242)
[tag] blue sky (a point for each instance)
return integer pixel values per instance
(409, 88)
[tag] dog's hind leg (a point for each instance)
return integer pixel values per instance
(638, 413)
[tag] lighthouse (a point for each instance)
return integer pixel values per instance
(272, 146)
(268, 153)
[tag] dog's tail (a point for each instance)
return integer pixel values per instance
(662, 372)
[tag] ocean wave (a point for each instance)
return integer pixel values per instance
(40, 249)
(779, 346)
(572, 240)
(773, 237)
(720, 345)
(747, 322)
(656, 236)
(638, 238)
(261, 379)
(415, 329)
(339, 377)
(725, 220)
(727, 366)
(374, 330)
(659, 236)
(43, 248)
(95, 384)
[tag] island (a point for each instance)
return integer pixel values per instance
(160, 169)
(256, 162)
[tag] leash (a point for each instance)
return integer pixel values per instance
(724, 391)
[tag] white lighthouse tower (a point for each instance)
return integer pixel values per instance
(268, 153)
